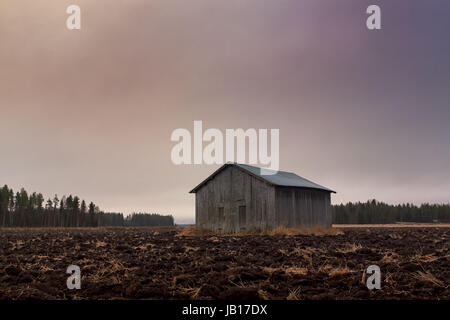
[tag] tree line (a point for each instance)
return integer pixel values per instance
(145, 219)
(21, 209)
(373, 211)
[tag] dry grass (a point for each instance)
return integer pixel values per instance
(45, 269)
(318, 231)
(363, 277)
(333, 271)
(100, 244)
(289, 270)
(189, 248)
(395, 236)
(425, 258)
(270, 270)
(192, 292)
(296, 270)
(294, 294)
(114, 270)
(394, 225)
(392, 258)
(144, 247)
(193, 231)
(263, 294)
(349, 248)
(19, 244)
(427, 276)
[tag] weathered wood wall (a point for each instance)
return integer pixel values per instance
(297, 207)
(234, 201)
(230, 189)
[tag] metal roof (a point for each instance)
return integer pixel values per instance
(277, 178)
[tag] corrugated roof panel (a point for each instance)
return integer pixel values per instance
(282, 178)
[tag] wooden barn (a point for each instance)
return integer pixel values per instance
(238, 197)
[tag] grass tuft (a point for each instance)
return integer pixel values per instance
(280, 231)
(317, 231)
(427, 276)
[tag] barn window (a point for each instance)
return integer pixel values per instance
(242, 217)
(221, 215)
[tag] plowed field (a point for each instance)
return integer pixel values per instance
(155, 263)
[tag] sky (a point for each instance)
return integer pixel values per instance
(90, 112)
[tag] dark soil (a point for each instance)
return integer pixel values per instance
(154, 263)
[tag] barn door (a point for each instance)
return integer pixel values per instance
(242, 217)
